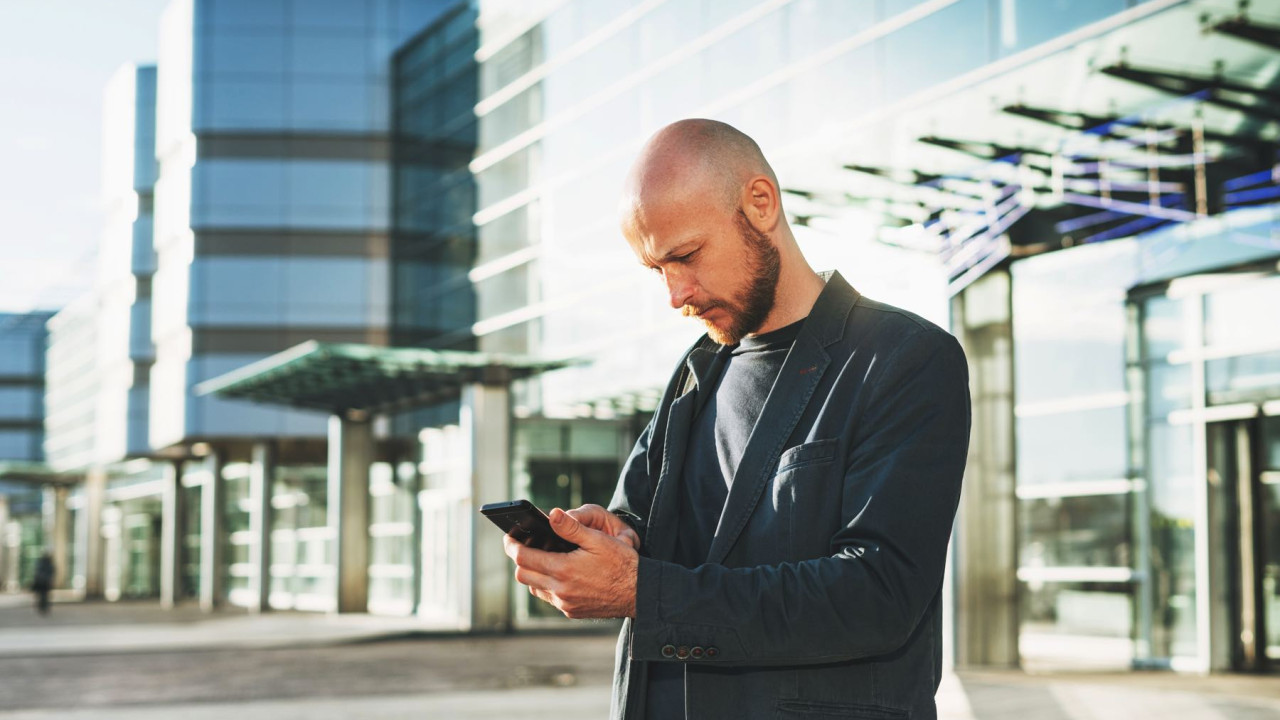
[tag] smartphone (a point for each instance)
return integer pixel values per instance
(530, 526)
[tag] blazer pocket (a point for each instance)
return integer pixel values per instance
(810, 453)
(801, 710)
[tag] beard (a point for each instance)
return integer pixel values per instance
(748, 309)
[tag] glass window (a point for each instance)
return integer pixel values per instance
(21, 403)
(240, 105)
(238, 193)
(18, 356)
(333, 55)
(20, 444)
(330, 105)
(509, 176)
(504, 235)
(926, 52)
(1084, 445)
(1164, 327)
(504, 292)
(1087, 531)
(331, 15)
(1027, 23)
(244, 13)
(258, 55)
(1244, 378)
(1097, 616)
(1169, 389)
(592, 72)
(1242, 315)
(812, 25)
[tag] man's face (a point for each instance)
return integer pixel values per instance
(717, 266)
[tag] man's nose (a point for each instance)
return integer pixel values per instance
(679, 288)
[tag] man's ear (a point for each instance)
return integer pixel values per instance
(761, 203)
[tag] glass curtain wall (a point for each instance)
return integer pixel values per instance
(569, 91)
(1209, 364)
(302, 573)
(1076, 487)
(392, 538)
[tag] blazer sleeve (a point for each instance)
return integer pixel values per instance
(633, 496)
(901, 490)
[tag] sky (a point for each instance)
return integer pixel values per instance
(56, 57)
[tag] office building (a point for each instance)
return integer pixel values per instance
(966, 159)
(1083, 192)
(22, 384)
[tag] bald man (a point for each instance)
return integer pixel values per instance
(778, 535)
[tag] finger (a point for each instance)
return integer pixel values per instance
(536, 580)
(532, 558)
(568, 527)
(631, 537)
(593, 516)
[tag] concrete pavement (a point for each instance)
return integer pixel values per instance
(132, 660)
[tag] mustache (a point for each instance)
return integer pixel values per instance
(696, 310)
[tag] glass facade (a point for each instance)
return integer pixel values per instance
(273, 198)
(22, 385)
(565, 102)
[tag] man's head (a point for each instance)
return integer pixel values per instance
(701, 207)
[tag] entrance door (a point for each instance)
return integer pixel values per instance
(1244, 478)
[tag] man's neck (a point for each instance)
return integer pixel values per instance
(794, 299)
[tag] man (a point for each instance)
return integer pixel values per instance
(42, 582)
(778, 535)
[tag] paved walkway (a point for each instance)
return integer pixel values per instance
(184, 663)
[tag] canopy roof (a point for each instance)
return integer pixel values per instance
(339, 377)
(28, 473)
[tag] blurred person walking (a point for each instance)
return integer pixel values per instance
(778, 535)
(42, 582)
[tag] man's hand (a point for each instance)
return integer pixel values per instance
(597, 518)
(598, 580)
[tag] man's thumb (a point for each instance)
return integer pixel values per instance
(567, 526)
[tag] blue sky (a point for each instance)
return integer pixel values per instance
(55, 59)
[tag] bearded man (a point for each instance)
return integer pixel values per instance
(778, 534)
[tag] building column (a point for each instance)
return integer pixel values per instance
(262, 472)
(5, 559)
(56, 519)
(486, 420)
(172, 535)
(986, 556)
(213, 533)
(95, 494)
(350, 455)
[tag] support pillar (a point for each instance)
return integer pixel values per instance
(56, 519)
(95, 494)
(262, 471)
(486, 420)
(985, 560)
(5, 559)
(213, 533)
(172, 535)
(350, 455)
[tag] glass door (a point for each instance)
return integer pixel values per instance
(1267, 530)
(1244, 479)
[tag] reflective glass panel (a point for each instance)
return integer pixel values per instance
(1090, 531)
(1244, 378)
(1243, 315)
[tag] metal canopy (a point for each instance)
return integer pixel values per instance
(341, 377)
(33, 473)
(1168, 119)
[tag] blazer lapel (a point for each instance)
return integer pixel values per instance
(701, 368)
(796, 382)
(799, 377)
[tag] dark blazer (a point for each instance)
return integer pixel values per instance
(820, 597)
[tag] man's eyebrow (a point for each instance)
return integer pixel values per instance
(681, 249)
